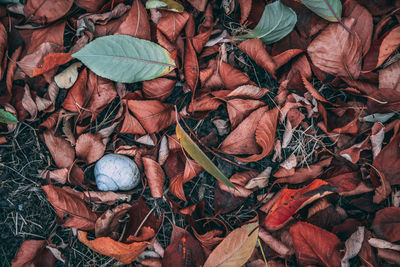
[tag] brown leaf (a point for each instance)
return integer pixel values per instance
(155, 176)
(389, 255)
(153, 115)
(353, 246)
(46, 11)
(274, 243)
(89, 5)
(191, 66)
(242, 140)
(3, 50)
(71, 210)
(363, 25)
(172, 23)
(33, 253)
(315, 246)
(238, 109)
(248, 91)
(90, 147)
(387, 224)
(158, 89)
(366, 254)
(336, 51)
(137, 23)
(381, 49)
(255, 49)
(108, 223)
(61, 150)
(388, 161)
(389, 77)
(183, 250)
(78, 94)
(232, 77)
(264, 135)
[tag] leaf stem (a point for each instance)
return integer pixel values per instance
(337, 18)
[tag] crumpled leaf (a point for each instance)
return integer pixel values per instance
(127, 59)
(353, 246)
(321, 8)
(292, 200)
(109, 222)
(67, 77)
(314, 245)
(276, 22)
(236, 248)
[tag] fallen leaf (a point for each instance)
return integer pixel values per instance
(274, 243)
(389, 77)
(381, 49)
(315, 246)
(51, 61)
(155, 176)
(386, 224)
(90, 147)
(71, 210)
(353, 246)
(292, 200)
(67, 77)
(46, 11)
(61, 150)
(236, 248)
(239, 109)
(336, 51)
(380, 243)
(389, 255)
(137, 23)
(108, 223)
(183, 250)
(33, 253)
(322, 9)
(232, 77)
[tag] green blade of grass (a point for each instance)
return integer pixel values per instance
(200, 157)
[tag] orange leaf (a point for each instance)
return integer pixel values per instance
(125, 253)
(292, 200)
(51, 61)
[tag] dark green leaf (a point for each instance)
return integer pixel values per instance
(123, 58)
(276, 22)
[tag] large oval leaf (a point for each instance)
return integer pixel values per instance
(127, 59)
(236, 248)
(276, 22)
(325, 8)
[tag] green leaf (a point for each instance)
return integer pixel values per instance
(381, 117)
(198, 155)
(123, 58)
(169, 5)
(7, 117)
(276, 22)
(321, 8)
(5, 2)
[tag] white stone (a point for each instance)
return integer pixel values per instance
(115, 172)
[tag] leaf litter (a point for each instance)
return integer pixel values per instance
(286, 150)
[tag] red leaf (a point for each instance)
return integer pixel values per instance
(155, 176)
(315, 246)
(51, 61)
(46, 11)
(90, 147)
(292, 200)
(61, 150)
(387, 224)
(137, 23)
